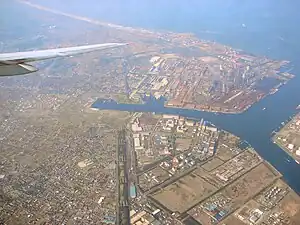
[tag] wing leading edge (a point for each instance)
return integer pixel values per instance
(11, 63)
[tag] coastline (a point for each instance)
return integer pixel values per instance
(286, 150)
(228, 112)
(281, 145)
(272, 91)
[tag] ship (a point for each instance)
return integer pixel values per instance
(273, 91)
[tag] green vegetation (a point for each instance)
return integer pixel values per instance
(123, 98)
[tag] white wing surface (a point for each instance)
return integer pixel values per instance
(16, 63)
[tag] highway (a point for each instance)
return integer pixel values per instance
(123, 208)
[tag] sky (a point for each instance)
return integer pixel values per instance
(269, 24)
(206, 14)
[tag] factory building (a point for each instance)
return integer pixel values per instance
(190, 123)
(137, 142)
(136, 127)
(213, 129)
(141, 218)
(166, 116)
(290, 146)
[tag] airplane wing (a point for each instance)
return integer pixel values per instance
(16, 63)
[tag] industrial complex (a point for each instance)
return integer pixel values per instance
(288, 138)
(184, 170)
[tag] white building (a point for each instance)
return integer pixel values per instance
(101, 200)
(180, 129)
(291, 146)
(137, 142)
(166, 116)
(190, 123)
(136, 127)
(213, 129)
(170, 123)
(167, 128)
(154, 59)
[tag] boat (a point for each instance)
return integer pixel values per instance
(273, 91)
(264, 108)
(297, 161)
(298, 107)
(288, 160)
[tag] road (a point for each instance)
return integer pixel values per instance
(123, 208)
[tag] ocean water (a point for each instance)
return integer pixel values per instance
(269, 26)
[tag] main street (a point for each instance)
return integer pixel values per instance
(123, 216)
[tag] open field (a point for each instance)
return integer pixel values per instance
(232, 220)
(249, 184)
(184, 193)
(212, 164)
